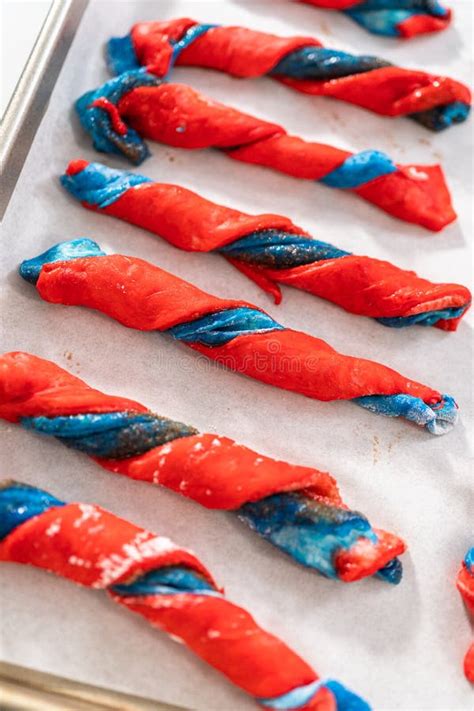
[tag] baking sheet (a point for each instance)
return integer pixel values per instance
(399, 647)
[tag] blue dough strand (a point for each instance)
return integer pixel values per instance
(219, 328)
(311, 532)
(436, 420)
(441, 117)
(469, 560)
(391, 573)
(380, 22)
(359, 169)
(120, 55)
(20, 502)
(114, 435)
(293, 699)
(346, 700)
(277, 249)
(382, 17)
(97, 123)
(322, 63)
(426, 7)
(427, 318)
(297, 698)
(99, 185)
(170, 580)
(188, 38)
(30, 269)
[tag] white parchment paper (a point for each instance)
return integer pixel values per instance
(401, 647)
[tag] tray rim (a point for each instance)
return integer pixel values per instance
(29, 100)
(25, 689)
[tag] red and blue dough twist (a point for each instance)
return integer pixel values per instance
(235, 334)
(269, 249)
(298, 509)
(138, 103)
(465, 585)
(302, 63)
(169, 587)
(392, 18)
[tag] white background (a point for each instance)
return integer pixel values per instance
(20, 22)
(400, 647)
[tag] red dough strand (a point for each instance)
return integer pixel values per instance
(247, 53)
(360, 284)
(177, 115)
(215, 471)
(92, 547)
(465, 585)
(35, 387)
(154, 299)
(418, 24)
(224, 48)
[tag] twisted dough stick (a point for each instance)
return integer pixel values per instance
(166, 585)
(177, 115)
(300, 62)
(465, 585)
(393, 18)
(298, 509)
(269, 249)
(233, 333)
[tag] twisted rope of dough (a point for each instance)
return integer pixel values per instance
(233, 333)
(269, 249)
(166, 585)
(465, 585)
(177, 115)
(436, 102)
(392, 18)
(296, 508)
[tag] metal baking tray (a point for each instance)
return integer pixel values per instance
(30, 98)
(22, 688)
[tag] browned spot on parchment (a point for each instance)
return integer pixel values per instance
(325, 27)
(375, 449)
(395, 442)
